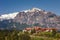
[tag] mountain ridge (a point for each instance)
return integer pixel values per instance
(31, 17)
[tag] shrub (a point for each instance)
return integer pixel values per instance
(54, 32)
(24, 37)
(35, 38)
(57, 35)
(33, 31)
(48, 34)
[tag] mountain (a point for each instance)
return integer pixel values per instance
(8, 16)
(31, 17)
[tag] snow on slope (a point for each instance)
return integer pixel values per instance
(33, 10)
(9, 16)
(12, 15)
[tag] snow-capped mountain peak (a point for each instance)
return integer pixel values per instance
(30, 17)
(26, 10)
(33, 10)
(8, 16)
(37, 9)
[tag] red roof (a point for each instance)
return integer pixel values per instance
(43, 29)
(28, 29)
(37, 28)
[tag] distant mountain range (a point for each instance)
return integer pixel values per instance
(29, 18)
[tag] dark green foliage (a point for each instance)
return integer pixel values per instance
(57, 35)
(35, 38)
(54, 32)
(24, 37)
(33, 31)
(13, 35)
(48, 34)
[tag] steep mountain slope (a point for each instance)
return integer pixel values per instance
(35, 15)
(8, 16)
(29, 18)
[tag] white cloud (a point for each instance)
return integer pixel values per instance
(9, 16)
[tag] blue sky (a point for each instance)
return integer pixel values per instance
(9, 6)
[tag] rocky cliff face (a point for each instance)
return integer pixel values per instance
(36, 16)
